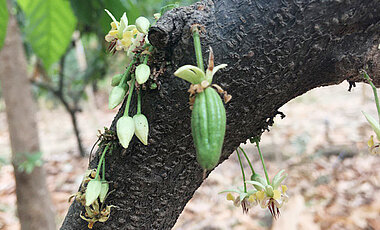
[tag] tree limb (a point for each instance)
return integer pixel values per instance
(275, 51)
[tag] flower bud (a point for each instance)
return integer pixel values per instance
(116, 79)
(125, 128)
(92, 191)
(153, 86)
(103, 191)
(141, 128)
(258, 178)
(142, 73)
(142, 24)
(116, 96)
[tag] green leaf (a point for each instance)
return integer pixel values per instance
(50, 25)
(87, 11)
(3, 21)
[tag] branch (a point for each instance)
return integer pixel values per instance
(275, 51)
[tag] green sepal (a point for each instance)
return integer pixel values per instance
(123, 25)
(210, 74)
(242, 196)
(256, 184)
(92, 191)
(278, 178)
(190, 73)
(230, 190)
(374, 124)
(258, 178)
(269, 190)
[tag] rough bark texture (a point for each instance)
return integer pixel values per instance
(275, 51)
(33, 202)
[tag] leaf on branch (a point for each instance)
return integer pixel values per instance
(49, 27)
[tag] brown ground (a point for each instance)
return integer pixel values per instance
(334, 183)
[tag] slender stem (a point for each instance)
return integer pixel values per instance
(147, 56)
(198, 48)
(100, 161)
(130, 95)
(139, 101)
(104, 170)
(242, 170)
(262, 161)
(139, 91)
(249, 162)
(374, 93)
(128, 71)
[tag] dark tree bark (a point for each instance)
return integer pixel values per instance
(275, 51)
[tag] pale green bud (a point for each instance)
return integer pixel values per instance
(142, 24)
(153, 86)
(92, 191)
(141, 128)
(103, 191)
(125, 128)
(116, 96)
(258, 178)
(142, 73)
(116, 79)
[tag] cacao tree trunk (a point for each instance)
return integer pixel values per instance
(33, 202)
(275, 51)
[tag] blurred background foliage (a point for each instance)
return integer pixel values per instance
(65, 47)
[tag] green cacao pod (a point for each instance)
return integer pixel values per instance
(208, 125)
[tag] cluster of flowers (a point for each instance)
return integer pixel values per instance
(127, 37)
(271, 196)
(133, 40)
(374, 148)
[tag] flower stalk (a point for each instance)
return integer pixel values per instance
(242, 171)
(374, 93)
(101, 161)
(249, 162)
(262, 161)
(197, 47)
(129, 96)
(128, 71)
